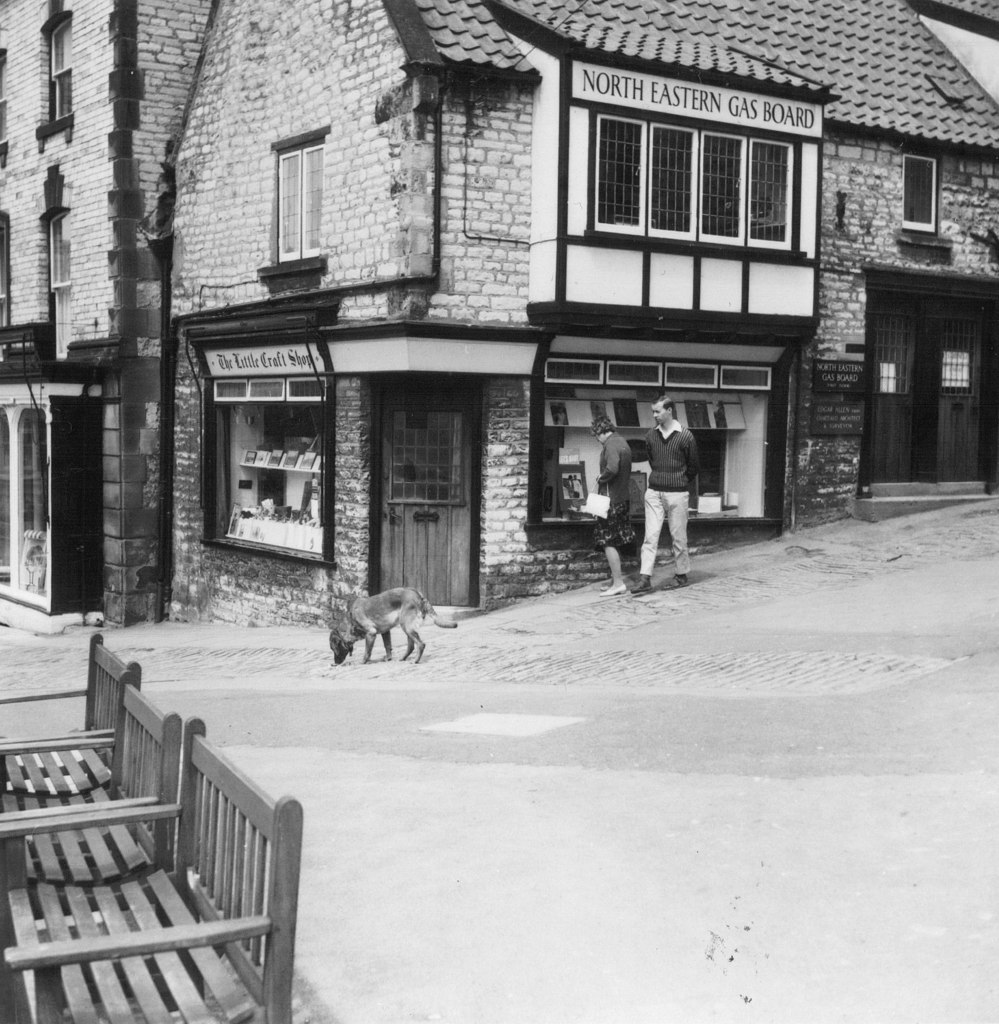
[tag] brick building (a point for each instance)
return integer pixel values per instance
(91, 96)
(418, 243)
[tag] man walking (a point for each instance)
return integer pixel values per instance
(673, 457)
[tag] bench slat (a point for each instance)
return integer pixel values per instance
(112, 996)
(74, 983)
(170, 965)
(136, 970)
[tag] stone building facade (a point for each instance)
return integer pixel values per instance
(92, 96)
(405, 278)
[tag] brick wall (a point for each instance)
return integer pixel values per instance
(863, 177)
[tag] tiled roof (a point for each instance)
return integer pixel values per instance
(887, 71)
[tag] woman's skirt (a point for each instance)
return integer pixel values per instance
(616, 530)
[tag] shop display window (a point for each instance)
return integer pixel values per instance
(730, 428)
(4, 499)
(270, 465)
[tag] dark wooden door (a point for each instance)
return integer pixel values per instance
(426, 463)
(926, 386)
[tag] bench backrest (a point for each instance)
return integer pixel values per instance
(106, 675)
(146, 762)
(238, 855)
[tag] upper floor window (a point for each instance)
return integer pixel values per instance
(3, 97)
(300, 196)
(60, 280)
(61, 73)
(698, 185)
(919, 193)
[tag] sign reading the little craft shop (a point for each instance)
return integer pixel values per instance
(626, 88)
(260, 361)
(837, 416)
(837, 375)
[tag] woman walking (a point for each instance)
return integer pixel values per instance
(614, 532)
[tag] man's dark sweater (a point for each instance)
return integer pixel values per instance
(673, 459)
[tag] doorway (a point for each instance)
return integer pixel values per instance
(428, 520)
(926, 370)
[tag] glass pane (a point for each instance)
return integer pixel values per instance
(33, 561)
(290, 203)
(918, 196)
(619, 172)
(426, 457)
(672, 179)
(892, 353)
(62, 48)
(269, 485)
(313, 197)
(60, 238)
(958, 357)
(768, 192)
(4, 499)
(721, 186)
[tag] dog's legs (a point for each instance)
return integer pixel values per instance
(413, 640)
(387, 641)
(369, 643)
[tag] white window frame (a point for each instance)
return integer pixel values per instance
(918, 225)
(60, 237)
(552, 375)
(623, 229)
(675, 385)
(613, 378)
(765, 371)
(739, 237)
(3, 97)
(4, 270)
(764, 243)
(299, 248)
(61, 69)
(695, 192)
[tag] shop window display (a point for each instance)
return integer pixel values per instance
(269, 475)
(729, 425)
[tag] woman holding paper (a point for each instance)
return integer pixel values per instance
(614, 479)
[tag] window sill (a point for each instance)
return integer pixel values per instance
(619, 240)
(924, 241)
(285, 554)
(50, 128)
(293, 275)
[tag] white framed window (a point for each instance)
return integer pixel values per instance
(3, 97)
(745, 378)
(723, 171)
(61, 59)
(691, 375)
(620, 200)
(574, 371)
(626, 371)
(667, 181)
(300, 195)
(919, 193)
(61, 280)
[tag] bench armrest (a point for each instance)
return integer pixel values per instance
(19, 824)
(68, 741)
(26, 697)
(155, 940)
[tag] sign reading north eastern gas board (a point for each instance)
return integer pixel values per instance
(837, 375)
(837, 416)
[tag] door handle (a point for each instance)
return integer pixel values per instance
(426, 517)
(393, 517)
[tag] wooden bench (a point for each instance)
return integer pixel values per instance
(145, 769)
(75, 762)
(212, 940)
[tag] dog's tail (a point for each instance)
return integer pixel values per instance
(429, 612)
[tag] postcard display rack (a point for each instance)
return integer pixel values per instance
(286, 483)
(719, 422)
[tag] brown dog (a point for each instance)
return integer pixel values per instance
(376, 615)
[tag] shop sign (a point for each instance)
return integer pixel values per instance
(261, 361)
(832, 416)
(627, 88)
(837, 375)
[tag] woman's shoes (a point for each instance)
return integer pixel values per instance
(604, 587)
(615, 591)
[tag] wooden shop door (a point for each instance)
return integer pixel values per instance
(426, 484)
(926, 382)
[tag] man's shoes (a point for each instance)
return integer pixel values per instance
(615, 591)
(643, 586)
